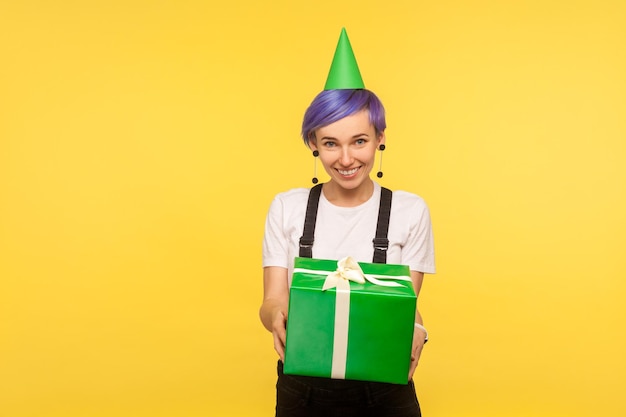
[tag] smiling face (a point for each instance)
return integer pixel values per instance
(347, 149)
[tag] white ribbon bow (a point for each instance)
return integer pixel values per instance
(349, 270)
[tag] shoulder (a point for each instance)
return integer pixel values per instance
(409, 207)
(295, 195)
(405, 199)
(289, 201)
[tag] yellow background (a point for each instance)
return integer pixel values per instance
(141, 143)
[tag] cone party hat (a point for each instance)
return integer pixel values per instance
(344, 72)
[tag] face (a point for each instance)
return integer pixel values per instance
(347, 149)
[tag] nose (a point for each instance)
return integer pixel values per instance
(346, 157)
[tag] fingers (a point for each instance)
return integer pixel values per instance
(412, 369)
(280, 334)
(415, 355)
(416, 352)
(279, 347)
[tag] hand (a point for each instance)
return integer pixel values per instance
(279, 331)
(419, 337)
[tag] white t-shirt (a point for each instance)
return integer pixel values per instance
(349, 231)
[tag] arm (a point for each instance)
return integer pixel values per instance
(273, 311)
(419, 335)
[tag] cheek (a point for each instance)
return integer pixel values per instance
(326, 158)
(368, 155)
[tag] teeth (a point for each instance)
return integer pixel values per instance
(350, 172)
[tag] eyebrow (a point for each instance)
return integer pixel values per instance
(358, 135)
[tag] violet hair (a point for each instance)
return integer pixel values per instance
(332, 105)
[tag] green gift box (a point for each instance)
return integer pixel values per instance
(360, 331)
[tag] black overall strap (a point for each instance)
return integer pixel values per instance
(381, 243)
(306, 241)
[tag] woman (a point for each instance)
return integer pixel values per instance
(344, 128)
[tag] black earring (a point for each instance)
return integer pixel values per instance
(315, 155)
(379, 174)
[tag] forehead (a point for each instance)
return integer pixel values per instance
(356, 124)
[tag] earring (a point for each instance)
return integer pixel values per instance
(315, 155)
(379, 174)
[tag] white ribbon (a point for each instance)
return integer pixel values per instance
(347, 270)
(350, 270)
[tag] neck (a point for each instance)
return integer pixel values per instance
(344, 197)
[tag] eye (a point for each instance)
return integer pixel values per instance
(329, 144)
(360, 141)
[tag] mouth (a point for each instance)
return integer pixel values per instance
(348, 172)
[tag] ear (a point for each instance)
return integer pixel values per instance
(381, 139)
(312, 143)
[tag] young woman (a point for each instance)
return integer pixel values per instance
(344, 128)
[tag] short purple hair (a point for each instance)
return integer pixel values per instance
(332, 105)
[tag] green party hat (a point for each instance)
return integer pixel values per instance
(344, 72)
